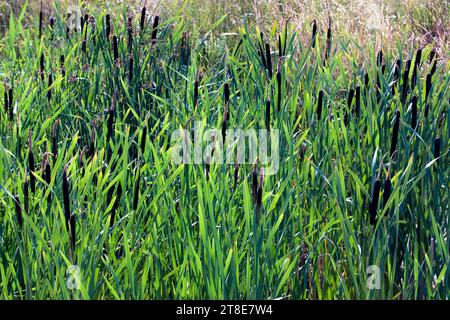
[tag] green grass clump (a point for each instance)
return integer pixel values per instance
(99, 105)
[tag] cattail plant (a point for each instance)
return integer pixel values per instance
(254, 182)
(374, 202)
(427, 86)
(437, 148)
(268, 114)
(136, 188)
(269, 61)
(314, 34)
(416, 67)
(108, 26)
(379, 58)
(279, 85)
(73, 238)
(387, 190)
(395, 134)
(366, 81)
(320, 104)
(111, 116)
(358, 100)
(6, 99)
(41, 65)
(155, 29)
(405, 81)
(115, 50)
(259, 195)
(351, 93)
(31, 162)
(142, 22)
(40, 21)
(143, 139)
(26, 193)
(130, 69)
(130, 34)
(226, 93)
(62, 65)
(66, 196)
(236, 174)
(261, 49)
(49, 89)
(18, 210)
(10, 103)
(414, 112)
(196, 81)
(280, 47)
(55, 138)
(224, 123)
(52, 24)
(328, 43)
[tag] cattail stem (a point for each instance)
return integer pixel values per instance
(31, 163)
(374, 202)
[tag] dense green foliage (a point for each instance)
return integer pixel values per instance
(109, 199)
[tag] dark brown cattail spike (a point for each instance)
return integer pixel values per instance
(405, 81)
(366, 81)
(437, 148)
(374, 202)
(41, 64)
(18, 211)
(254, 183)
(314, 33)
(416, 67)
(130, 34)
(387, 191)
(268, 114)
(280, 47)
(116, 205)
(279, 89)
(50, 83)
(427, 86)
(6, 101)
(395, 134)
(115, 50)
(351, 93)
(136, 189)
(236, 174)
(195, 92)
(142, 23)
(414, 112)
(73, 238)
(226, 93)
(111, 116)
(328, 44)
(143, 139)
(358, 101)
(31, 163)
(261, 50)
(130, 69)
(224, 123)
(259, 195)
(63, 67)
(66, 196)
(379, 58)
(26, 193)
(108, 26)
(269, 60)
(10, 104)
(155, 29)
(55, 138)
(52, 23)
(40, 21)
(320, 105)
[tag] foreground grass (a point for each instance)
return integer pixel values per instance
(109, 200)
